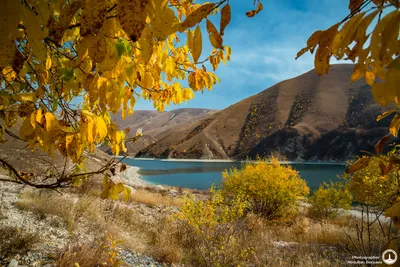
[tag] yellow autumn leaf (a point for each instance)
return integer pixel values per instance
(9, 74)
(164, 22)
(148, 81)
(215, 38)
(48, 63)
(321, 62)
(93, 15)
(376, 39)
(25, 97)
(101, 127)
(369, 77)
(383, 95)
(393, 79)
(197, 15)
(68, 140)
(10, 13)
(344, 37)
(394, 125)
(131, 15)
(390, 39)
(51, 122)
(196, 44)
(146, 44)
(39, 116)
(26, 131)
(127, 193)
(187, 94)
(378, 70)
(66, 14)
(11, 118)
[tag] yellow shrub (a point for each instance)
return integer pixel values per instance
(368, 185)
(271, 189)
(328, 198)
(213, 231)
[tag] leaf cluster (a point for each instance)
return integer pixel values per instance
(109, 53)
(375, 53)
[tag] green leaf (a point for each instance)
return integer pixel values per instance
(128, 47)
(120, 48)
(68, 74)
(55, 104)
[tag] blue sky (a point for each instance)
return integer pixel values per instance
(263, 48)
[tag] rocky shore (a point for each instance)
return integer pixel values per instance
(48, 233)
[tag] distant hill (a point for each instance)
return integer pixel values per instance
(156, 125)
(309, 117)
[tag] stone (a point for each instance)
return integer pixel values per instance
(159, 188)
(13, 263)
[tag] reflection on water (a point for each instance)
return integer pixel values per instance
(201, 175)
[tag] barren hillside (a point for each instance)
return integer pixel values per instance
(309, 117)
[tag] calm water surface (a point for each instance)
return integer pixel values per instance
(201, 175)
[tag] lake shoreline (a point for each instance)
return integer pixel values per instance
(238, 161)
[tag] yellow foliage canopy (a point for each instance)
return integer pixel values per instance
(110, 53)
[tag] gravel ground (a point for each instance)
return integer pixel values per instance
(51, 231)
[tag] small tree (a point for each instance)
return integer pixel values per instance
(271, 189)
(328, 198)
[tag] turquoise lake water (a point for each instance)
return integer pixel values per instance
(201, 175)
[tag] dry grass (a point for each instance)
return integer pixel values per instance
(151, 231)
(153, 198)
(15, 241)
(85, 255)
(138, 225)
(44, 202)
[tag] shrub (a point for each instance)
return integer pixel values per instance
(370, 187)
(213, 231)
(328, 198)
(271, 189)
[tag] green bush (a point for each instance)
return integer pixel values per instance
(328, 198)
(270, 189)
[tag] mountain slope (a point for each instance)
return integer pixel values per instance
(156, 125)
(295, 118)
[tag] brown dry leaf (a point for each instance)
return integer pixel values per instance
(252, 13)
(215, 38)
(225, 18)
(381, 143)
(355, 4)
(358, 165)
